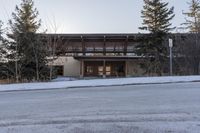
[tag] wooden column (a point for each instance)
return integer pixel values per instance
(126, 68)
(125, 46)
(104, 69)
(83, 45)
(81, 69)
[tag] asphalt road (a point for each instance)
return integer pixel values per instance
(143, 108)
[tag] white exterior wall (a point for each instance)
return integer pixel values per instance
(71, 67)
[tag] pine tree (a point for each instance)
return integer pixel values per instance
(193, 17)
(156, 20)
(5, 71)
(27, 48)
(1, 39)
(2, 43)
(191, 50)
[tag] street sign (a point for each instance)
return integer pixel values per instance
(170, 43)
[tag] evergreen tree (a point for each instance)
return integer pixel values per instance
(1, 40)
(156, 20)
(5, 71)
(193, 17)
(191, 50)
(27, 48)
(2, 43)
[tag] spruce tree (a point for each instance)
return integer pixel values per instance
(156, 20)
(191, 50)
(193, 17)
(27, 48)
(3, 41)
(5, 69)
(1, 45)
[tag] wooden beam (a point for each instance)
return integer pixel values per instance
(83, 45)
(104, 68)
(81, 69)
(126, 68)
(125, 46)
(104, 46)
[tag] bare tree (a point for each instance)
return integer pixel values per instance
(52, 42)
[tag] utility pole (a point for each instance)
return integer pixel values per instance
(170, 56)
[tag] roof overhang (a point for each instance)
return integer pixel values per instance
(120, 58)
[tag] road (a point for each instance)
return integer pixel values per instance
(144, 108)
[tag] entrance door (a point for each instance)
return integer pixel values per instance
(100, 70)
(93, 68)
(112, 68)
(108, 70)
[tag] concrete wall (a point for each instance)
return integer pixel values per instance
(71, 67)
(134, 69)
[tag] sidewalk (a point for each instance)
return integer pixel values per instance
(98, 82)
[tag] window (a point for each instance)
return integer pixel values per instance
(59, 70)
(108, 70)
(100, 70)
(89, 69)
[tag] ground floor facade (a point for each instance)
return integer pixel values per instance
(97, 67)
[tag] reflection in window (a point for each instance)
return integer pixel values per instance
(89, 69)
(108, 70)
(100, 70)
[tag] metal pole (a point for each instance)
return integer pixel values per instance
(171, 71)
(170, 56)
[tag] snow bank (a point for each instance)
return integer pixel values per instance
(63, 79)
(98, 82)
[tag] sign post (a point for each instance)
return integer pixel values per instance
(170, 49)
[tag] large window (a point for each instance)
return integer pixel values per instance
(100, 70)
(108, 70)
(89, 70)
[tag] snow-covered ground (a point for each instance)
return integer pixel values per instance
(97, 82)
(154, 108)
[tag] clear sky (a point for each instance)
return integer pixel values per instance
(91, 16)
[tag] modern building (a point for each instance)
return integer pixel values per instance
(96, 55)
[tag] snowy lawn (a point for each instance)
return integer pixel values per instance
(98, 82)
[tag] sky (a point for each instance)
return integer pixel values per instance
(91, 16)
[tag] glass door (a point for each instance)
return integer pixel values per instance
(108, 70)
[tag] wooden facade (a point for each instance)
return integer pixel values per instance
(99, 54)
(95, 44)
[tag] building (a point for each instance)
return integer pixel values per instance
(96, 55)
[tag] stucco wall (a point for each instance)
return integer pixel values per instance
(134, 69)
(71, 67)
